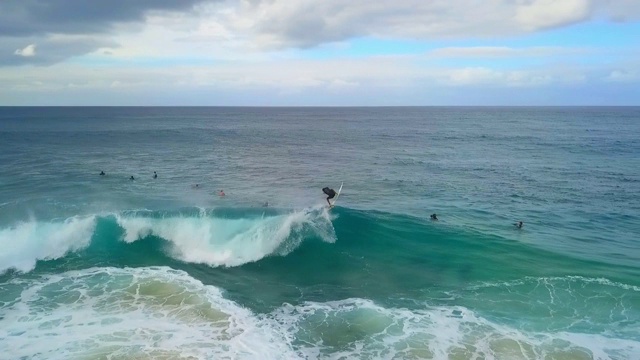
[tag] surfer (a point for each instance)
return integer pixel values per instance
(221, 193)
(132, 178)
(519, 224)
(434, 217)
(155, 175)
(102, 173)
(330, 192)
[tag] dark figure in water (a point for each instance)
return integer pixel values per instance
(155, 175)
(102, 173)
(519, 224)
(434, 217)
(131, 178)
(330, 192)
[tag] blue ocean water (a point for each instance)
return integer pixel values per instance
(107, 267)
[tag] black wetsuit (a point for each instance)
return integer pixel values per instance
(330, 192)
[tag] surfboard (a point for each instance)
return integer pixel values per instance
(337, 196)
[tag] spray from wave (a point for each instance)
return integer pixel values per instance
(27, 242)
(217, 241)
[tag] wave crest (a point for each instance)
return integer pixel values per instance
(27, 242)
(203, 237)
(221, 241)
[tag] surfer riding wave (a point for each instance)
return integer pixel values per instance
(330, 192)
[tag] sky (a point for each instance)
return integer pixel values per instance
(319, 52)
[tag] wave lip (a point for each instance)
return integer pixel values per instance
(217, 241)
(27, 242)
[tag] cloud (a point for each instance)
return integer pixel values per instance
(308, 23)
(620, 10)
(502, 52)
(67, 28)
(29, 50)
(542, 14)
(50, 49)
(248, 27)
(375, 80)
(623, 76)
(487, 77)
(182, 52)
(33, 17)
(473, 76)
(336, 75)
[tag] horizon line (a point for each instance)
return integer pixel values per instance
(315, 106)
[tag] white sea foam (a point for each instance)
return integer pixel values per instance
(562, 303)
(580, 280)
(230, 242)
(144, 313)
(27, 242)
(161, 313)
(357, 328)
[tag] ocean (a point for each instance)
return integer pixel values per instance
(104, 267)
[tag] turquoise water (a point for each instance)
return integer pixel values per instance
(101, 266)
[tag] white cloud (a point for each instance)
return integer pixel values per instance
(372, 81)
(623, 76)
(251, 28)
(28, 51)
(339, 84)
(401, 72)
(250, 46)
(534, 15)
(307, 23)
(527, 78)
(473, 76)
(502, 52)
(620, 10)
